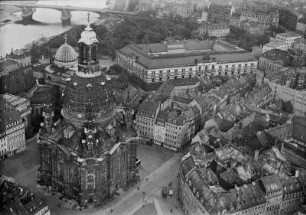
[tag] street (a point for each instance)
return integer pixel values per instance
(158, 167)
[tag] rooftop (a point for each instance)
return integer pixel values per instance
(288, 34)
(275, 44)
(154, 56)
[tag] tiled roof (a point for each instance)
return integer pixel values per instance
(148, 108)
(271, 183)
(187, 165)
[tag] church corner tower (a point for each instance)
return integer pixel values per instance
(79, 155)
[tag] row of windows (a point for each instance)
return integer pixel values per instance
(168, 71)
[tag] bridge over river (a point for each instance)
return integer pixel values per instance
(28, 9)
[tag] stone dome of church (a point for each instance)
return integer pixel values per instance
(85, 96)
(66, 54)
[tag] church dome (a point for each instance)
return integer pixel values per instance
(84, 95)
(66, 54)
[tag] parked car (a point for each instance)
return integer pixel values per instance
(165, 191)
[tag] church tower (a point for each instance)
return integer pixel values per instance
(88, 51)
(88, 85)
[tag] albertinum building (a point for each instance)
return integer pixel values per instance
(80, 155)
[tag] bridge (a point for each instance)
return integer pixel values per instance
(28, 8)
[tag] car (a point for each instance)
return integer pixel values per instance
(138, 161)
(164, 191)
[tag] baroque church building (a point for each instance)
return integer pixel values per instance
(82, 155)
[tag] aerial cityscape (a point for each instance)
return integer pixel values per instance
(153, 107)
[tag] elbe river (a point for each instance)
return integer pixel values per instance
(15, 35)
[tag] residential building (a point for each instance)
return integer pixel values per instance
(274, 45)
(180, 87)
(218, 178)
(288, 85)
(291, 139)
(264, 20)
(252, 27)
(16, 199)
(273, 60)
(214, 30)
(23, 107)
(13, 128)
(182, 8)
(217, 13)
(293, 196)
(84, 155)
(272, 187)
(3, 142)
(300, 44)
(184, 59)
(146, 117)
(289, 38)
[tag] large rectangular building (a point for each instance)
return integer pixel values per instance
(184, 59)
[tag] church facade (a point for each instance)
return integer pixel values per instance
(82, 155)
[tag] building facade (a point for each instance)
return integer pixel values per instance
(288, 38)
(214, 30)
(22, 105)
(184, 60)
(264, 20)
(12, 132)
(82, 156)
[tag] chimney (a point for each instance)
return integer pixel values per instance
(256, 155)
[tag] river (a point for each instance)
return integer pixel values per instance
(14, 35)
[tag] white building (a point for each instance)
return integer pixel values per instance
(12, 131)
(289, 38)
(275, 45)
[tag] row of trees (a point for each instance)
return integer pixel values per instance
(144, 28)
(245, 40)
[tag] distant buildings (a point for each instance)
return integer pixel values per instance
(182, 8)
(184, 59)
(17, 199)
(214, 30)
(216, 13)
(264, 20)
(12, 130)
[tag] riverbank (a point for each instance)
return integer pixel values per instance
(7, 16)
